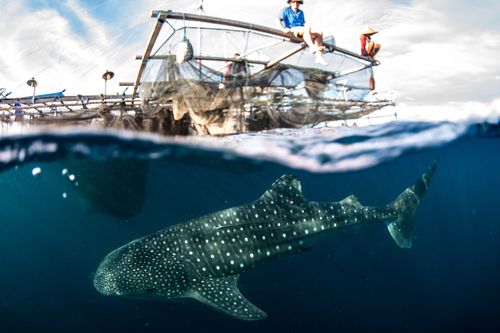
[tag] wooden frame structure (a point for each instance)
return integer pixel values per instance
(163, 16)
(123, 107)
(41, 106)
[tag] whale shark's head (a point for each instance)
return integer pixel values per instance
(141, 269)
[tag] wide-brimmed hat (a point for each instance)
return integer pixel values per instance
(369, 31)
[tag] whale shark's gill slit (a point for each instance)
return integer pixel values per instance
(229, 227)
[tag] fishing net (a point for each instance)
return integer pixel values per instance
(225, 81)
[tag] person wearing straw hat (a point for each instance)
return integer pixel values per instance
(369, 48)
(292, 20)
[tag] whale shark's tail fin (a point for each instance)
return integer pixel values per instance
(405, 205)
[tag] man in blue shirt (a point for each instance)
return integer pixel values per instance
(292, 21)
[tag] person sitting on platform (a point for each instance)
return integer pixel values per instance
(368, 48)
(292, 21)
(235, 69)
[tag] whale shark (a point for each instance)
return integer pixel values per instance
(203, 258)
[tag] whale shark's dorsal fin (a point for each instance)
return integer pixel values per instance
(351, 200)
(222, 294)
(285, 189)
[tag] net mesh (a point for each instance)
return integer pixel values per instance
(240, 80)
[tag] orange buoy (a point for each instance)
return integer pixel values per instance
(372, 83)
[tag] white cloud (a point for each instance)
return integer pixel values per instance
(59, 56)
(452, 111)
(428, 55)
(433, 52)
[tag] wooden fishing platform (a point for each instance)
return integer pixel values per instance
(193, 95)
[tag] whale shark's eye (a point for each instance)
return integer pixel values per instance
(150, 290)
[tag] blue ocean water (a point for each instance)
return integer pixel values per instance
(70, 197)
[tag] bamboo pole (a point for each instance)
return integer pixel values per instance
(69, 103)
(250, 61)
(255, 27)
(281, 58)
(147, 53)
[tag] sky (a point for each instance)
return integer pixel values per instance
(435, 53)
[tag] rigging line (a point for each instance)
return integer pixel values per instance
(36, 74)
(76, 32)
(166, 39)
(114, 52)
(85, 70)
(118, 52)
(163, 44)
(183, 5)
(107, 55)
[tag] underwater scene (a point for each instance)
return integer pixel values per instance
(389, 228)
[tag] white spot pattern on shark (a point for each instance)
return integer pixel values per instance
(202, 258)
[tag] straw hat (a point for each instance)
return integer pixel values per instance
(369, 31)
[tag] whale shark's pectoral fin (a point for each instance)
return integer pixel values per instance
(222, 294)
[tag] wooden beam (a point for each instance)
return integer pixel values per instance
(67, 107)
(281, 58)
(250, 26)
(217, 20)
(70, 102)
(11, 101)
(147, 53)
(250, 61)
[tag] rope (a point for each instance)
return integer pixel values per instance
(123, 29)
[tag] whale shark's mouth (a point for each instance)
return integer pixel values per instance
(151, 294)
(104, 282)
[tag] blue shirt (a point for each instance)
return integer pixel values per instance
(291, 19)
